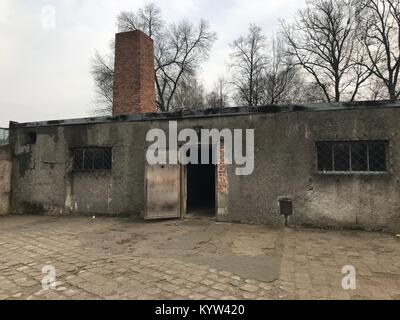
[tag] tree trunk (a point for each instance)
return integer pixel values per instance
(392, 93)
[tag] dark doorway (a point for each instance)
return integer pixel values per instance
(201, 188)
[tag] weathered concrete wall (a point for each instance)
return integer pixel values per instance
(45, 182)
(5, 179)
(285, 166)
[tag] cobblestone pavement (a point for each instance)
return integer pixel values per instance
(106, 258)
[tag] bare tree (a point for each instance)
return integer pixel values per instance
(323, 41)
(309, 93)
(147, 19)
(283, 82)
(179, 50)
(190, 94)
(248, 65)
(377, 90)
(381, 39)
(102, 70)
(218, 97)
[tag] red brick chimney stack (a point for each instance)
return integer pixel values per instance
(134, 90)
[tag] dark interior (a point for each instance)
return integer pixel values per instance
(201, 189)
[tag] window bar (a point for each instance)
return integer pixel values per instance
(368, 166)
(92, 168)
(350, 150)
(83, 160)
(92, 162)
(387, 163)
(333, 156)
(103, 158)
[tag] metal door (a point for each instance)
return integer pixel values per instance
(162, 191)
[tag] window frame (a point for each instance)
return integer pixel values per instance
(91, 148)
(4, 135)
(386, 143)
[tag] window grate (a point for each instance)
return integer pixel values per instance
(352, 156)
(4, 135)
(92, 159)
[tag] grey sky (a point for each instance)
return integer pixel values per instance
(45, 71)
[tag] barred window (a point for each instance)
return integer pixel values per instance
(352, 156)
(92, 159)
(3, 135)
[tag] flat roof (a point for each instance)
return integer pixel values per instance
(216, 112)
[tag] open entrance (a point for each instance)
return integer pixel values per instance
(200, 179)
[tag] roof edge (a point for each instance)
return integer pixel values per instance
(213, 112)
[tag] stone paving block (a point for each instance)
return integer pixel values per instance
(249, 296)
(220, 287)
(207, 282)
(183, 292)
(170, 287)
(214, 294)
(249, 288)
(177, 281)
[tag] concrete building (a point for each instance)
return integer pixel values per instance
(333, 165)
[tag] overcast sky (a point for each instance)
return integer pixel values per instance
(44, 67)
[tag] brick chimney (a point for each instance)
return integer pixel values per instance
(134, 90)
